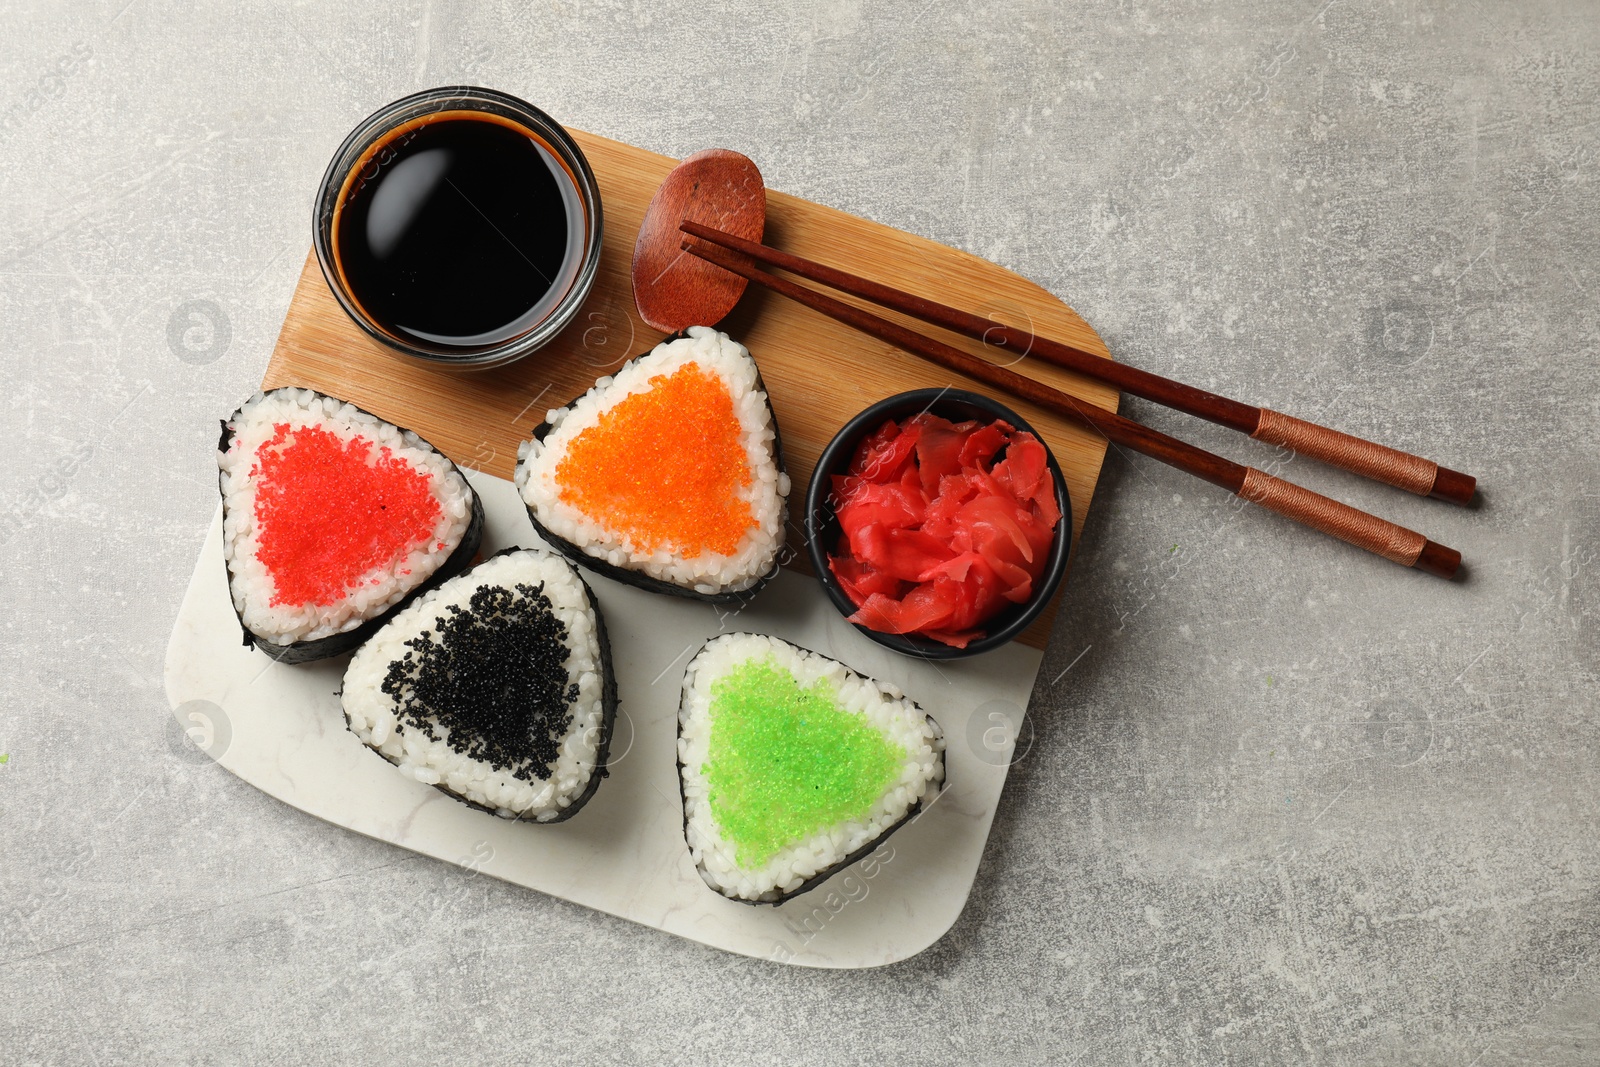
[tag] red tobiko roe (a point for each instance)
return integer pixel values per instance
(315, 551)
(938, 537)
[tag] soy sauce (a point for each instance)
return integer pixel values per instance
(462, 230)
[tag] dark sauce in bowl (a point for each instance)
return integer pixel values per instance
(462, 229)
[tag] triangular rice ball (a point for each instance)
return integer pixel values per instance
(666, 475)
(496, 687)
(792, 766)
(332, 519)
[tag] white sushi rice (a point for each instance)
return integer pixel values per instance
(374, 592)
(373, 714)
(767, 493)
(883, 706)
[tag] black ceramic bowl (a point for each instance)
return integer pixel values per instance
(822, 525)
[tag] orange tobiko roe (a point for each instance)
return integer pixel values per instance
(664, 467)
(330, 511)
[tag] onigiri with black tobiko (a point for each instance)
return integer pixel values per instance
(496, 688)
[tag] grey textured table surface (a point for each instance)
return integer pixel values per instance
(1285, 803)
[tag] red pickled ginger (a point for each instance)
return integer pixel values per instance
(937, 536)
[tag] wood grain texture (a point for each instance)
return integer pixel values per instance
(672, 291)
(819, 372)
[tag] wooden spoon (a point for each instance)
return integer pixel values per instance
(672, 289)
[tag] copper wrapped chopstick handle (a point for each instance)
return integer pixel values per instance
(1368, 458)
(1394, 543)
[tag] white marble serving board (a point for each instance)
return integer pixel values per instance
(280, 728)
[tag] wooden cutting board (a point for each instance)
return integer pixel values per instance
(819, 373)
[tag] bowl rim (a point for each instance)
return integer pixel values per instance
(820, 521)
(387, 118)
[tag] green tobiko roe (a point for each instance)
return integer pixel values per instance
(785, 760)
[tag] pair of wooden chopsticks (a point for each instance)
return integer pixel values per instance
(1393, 542)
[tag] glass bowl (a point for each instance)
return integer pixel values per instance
(367, 149)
